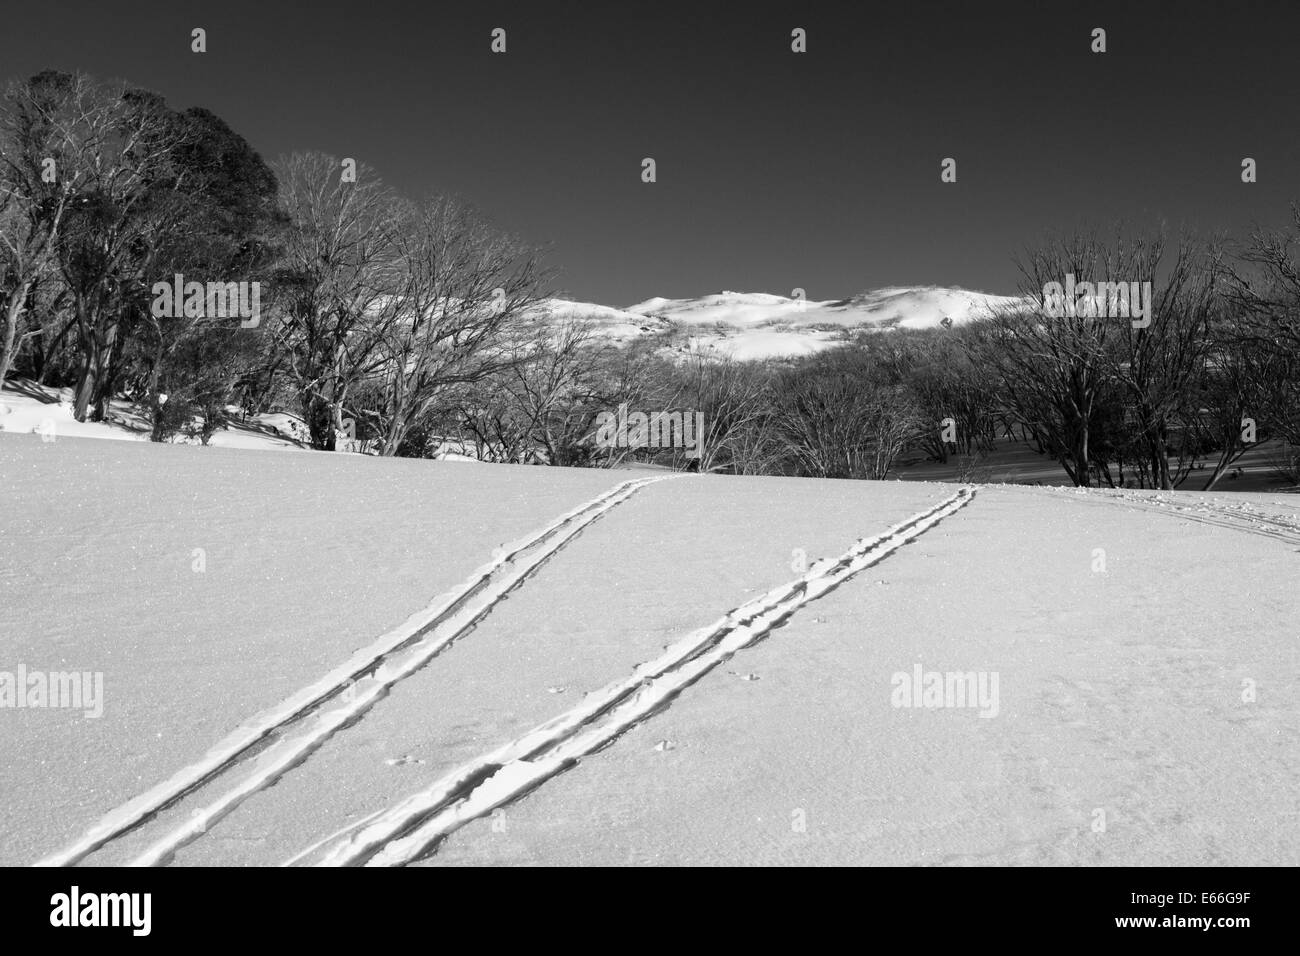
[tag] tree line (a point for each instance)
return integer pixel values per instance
(1173, 400)
(374, 304)
(412, 327)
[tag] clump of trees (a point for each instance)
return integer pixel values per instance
(103, 191)
(1147, 402)
(375, 309)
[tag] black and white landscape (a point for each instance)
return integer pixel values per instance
(577, 434)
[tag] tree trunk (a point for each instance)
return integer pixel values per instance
(107, 372)
(151, 391)
(85, 383)
(393, 441)
(320, 422)
(89, 360)
(13, 308)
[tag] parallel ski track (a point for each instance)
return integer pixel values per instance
(1236, 518)
(281, 737)
(414, 827)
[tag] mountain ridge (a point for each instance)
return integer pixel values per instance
(758, 325)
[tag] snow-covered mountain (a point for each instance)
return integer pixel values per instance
(756, 325)
(618, 324)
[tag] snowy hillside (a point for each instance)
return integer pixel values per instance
(619, 325)
(912, 308)
(759, 325)
(688, 669)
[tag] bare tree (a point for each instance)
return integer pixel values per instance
(338, 285)
(1063, 373)
(1266, 286)
(739, 429)
(841, 418)
(43, 121)
(557, 389)
(25, 236)
(460, 291)
(947, 383)
(1240, 381)
(112, 146)
(540, 407)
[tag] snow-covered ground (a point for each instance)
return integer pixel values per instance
(343, 659)
(27, 408)
(30, 409)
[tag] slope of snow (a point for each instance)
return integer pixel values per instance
(420, 637)
(1122, 736)
(912, 307)
(1121, 689)
(759, 325)
(918, 308)
(730, 308)
(619, 325)
(606, 714)
(756, 345)
(208, 585)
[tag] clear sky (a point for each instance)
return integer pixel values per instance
(775, 169)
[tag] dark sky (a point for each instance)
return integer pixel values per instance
(775, 170)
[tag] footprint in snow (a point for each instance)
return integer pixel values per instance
(665, 745)
(402, 760)
(556, 690)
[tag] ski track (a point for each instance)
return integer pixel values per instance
(1236, 517)
(413, 828)
(388, 659)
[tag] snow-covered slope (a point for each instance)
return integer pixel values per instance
(758, 325)
(616, 324)
(732, 308)
(905, 307)
(916, 308)
(217, 593)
